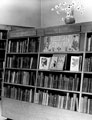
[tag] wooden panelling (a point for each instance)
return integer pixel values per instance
(20, 28)
(51, 30)
(5, 27)
(40, 32)
(65, 29)
(86, 27)
(22, 33)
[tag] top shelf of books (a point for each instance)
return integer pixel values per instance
(62, 43)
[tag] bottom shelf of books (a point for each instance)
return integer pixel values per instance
(21, 110)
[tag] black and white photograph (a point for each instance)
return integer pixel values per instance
(45, 59)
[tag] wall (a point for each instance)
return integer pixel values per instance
(30, 13)
(49, 18)
(20, 12)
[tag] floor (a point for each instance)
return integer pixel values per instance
(1, 118)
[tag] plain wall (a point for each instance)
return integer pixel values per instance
(37, 13)
(49, 18)
(20, 12)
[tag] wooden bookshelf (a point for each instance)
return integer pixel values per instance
(48, 74)
(3, 40)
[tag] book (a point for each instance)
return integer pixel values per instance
(50, 84)
(74, 102)
(85, 84)
(59, 81)
(32, 78)
(70, 85)
(62, 102)
(57, 61)
(75, 83)
(34, 63)
(9, 45)
(44, 63)
(77, 104)
(44, 98)
(88, 64)
(65, 83)
(85, 104)
(1, 35)
(31, 61)
(47, 98)
(88, 108)
(67, 99)
(55, 82)
(46, 78)
(33, 44)
(7, 76)
(41, 79)
(38, 79)
(59, 101)
(81, 104)
(53, 62)
(13, 77)
(90, 111)
(25, 78)
(89, 43)
(75, 63)
(50, 100)
(30, 95)
(36, 97)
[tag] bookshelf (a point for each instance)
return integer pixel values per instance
(48, 74)
(3, 39)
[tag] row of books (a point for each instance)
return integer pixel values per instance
(61, 43)
(20, 77)
(87, 85)
(18, 93)
(49, 81)
(56, 100)
(56, 62)
(50, 44)
(21, 62)
(88, 64)
(58, 81)
(86, 105)
(23, 46)
(59, 62)
(44, 98)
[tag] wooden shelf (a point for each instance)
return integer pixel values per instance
(47, 89)
(27, 53)
(21, 69)
(20, 85)
(63, 52)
